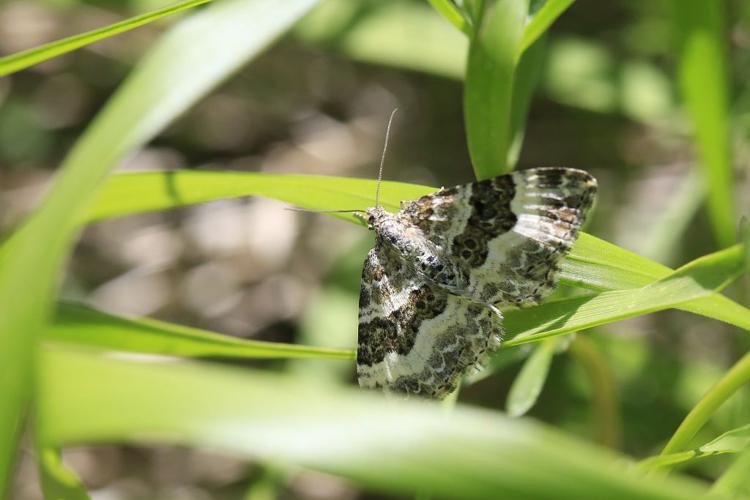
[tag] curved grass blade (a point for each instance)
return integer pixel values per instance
(218, 40)
(735, 482)
(542, 19)
(22, 60)
(734, 379)
(125, 194)
(450, 12)
(733, 441)
(527, 386)
(58, 482)
(696, 280)
(81, 325)
(389, 445)
(598, 265)
(593, 263)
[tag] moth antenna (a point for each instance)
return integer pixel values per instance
(382, 157)
(307, 210)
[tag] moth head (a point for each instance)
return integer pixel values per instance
(373, 216)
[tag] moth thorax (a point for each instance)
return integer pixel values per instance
(415, 250)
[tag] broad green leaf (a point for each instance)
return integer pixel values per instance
(734, 379)
(542, 19)
(85, 326)
(190, 60)
(125, 194)
(21, 60)
(696, 280)
(494, 51)
(529, 383)
(390, 445)
(733, 441)
(58, 482)
(704, 83)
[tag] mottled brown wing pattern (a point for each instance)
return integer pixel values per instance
(439, 266)
(508, 234)
(413, 336)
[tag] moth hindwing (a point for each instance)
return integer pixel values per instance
(443, 264)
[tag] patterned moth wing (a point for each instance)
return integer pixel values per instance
(414, 337)
(507, 235)
(439, 265)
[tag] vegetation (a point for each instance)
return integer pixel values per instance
(637, 409)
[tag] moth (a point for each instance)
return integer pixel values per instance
(445, 264)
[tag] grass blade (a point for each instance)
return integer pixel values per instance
(735, 482)
(390, 445)
(529, 383)
(163, 190)
(734, 379)
(696, 280)
(593, 263)
(703, 79)
(488, 86)
(733, 441)
(58, 482)
(81, 325)
(22, 60)
(452, 14)
(218, 40)
(542, 20)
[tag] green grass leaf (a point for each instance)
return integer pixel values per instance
(450, 12)
(733, 441)
(593, 263)
(125, 194)
(494, 51)
(58, 482)
(696, 280)
(528, 384)
(21, 60)
(217, 40)
(734, 379)
(704, 82)
(82, 325)
(735, 481)
(389, 445)
(542, 19)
